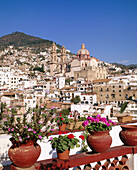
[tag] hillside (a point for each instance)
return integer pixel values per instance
(131, 66)
(21, 39)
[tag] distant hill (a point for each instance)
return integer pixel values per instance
(131, 66)
(18, 39)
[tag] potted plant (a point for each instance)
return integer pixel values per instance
(25, 131)
(124, 118)
(98, 128)
(63, 144)
(75, 123)
(62, 121)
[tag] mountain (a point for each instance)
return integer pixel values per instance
(131, 66)
(18, 39)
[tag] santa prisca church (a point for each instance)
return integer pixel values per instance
(82, 66)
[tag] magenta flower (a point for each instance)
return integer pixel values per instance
(57, 120)
(52, 129)
(9, 129)
(51, 138)
(40, 137)
(85, 123)
(34, 131)
(108, 124)
(30, 129)
(12, 129)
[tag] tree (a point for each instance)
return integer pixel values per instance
(65, 112)
(76, 100)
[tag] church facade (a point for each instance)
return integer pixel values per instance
(82, 66)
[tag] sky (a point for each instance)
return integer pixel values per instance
(108, 28)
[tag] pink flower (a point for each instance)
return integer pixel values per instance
(12, 129)
(40, 137)
(28, 136)
(30, 129)
(34, 131)
(52, 107)
(57, 120)
(42, 106)
(5, 113)
(51, 138)
(9, 129)
(53, 116)
(52, 129)
(20, 139)
(40, 122)
(25, 127)
(108, 124)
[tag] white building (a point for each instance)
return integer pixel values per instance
(60, 82)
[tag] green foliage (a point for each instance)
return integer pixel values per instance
(18, 39)
(123, 107)
(82, 119)
(76, 100)
(65, 112)
(62, 143)
(41, 69)
(29, 126)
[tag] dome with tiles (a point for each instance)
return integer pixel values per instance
(83, 51)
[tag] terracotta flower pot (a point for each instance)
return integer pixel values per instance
(63, 155)
(25, 155)
(99, 141)
(128, 135)
(62, 127)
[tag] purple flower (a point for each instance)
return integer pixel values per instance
(40, 137)
(85, 123)
(52, 107)
(108, 124)
(98, 116)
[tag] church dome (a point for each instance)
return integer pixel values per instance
(83, 51)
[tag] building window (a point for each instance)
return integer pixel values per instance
(119, 86)
(101, 89)
(119, 90)
(107, 89)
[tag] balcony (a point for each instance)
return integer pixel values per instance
(117, 157)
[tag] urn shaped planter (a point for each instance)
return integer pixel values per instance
(128, 135)
(99, 141)
(24, 155)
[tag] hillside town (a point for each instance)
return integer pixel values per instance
(79, 87)
(55, 77)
